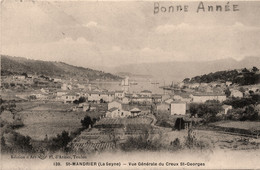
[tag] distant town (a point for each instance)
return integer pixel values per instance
(42, 113)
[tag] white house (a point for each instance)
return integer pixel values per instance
(135, 112)
(97, 96)
(157, 98)
(202, 98)
(119, 94)
(64, 86)
(113, 112)
(165, 97)
(56, 80)
(70, 97)
(146, 93)
(226, 108)
(60, 93)
(125, 100)
(110, 96)
(163, 107)
(254, 89)
(115, 104)
(178, 108)
(183, 98)
(194, 85)
(117, 113)
(169, 101)
(19, 77)
(81, 86)
(40, 96)
(236, 93)
(180, 84)
(228, 83)
(141, 99)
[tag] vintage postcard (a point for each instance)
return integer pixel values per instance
(130, 84)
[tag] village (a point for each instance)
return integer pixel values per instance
(45, 107)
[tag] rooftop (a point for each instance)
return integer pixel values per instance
(135, 110)
(146, 91)
(208, 94)
(113, 109)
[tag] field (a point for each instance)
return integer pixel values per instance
(214, 140)
(49, 119)
(254, 126)
(125, 121)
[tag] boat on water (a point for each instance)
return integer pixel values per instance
(155, 83)
(170, 87)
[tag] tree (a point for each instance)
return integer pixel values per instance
(250, 114)
(207, 110)
(60, 142)
(82, 100)
(227, 92)
(255, 69)
(179, 124)
(86, 122)
(241, 89)
(245, 70)
(186, 80)
(242, 102)
(25, 74)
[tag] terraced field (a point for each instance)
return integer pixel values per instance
(240, 125)
(125, 121)
(49, 119)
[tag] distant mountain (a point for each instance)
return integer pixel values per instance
(19, 65)
(177, 71)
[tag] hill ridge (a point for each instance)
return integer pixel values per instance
(19, 65)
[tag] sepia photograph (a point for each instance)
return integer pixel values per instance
(129, 84)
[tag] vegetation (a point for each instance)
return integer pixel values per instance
(80, 100)
(141, 143)
(60, 142)
(208, 110)
(243, 114)
(179, 124)
(253, 99)
(192, 142)
(86, 122)
(163, 119)
(13, 142)
(245, 77)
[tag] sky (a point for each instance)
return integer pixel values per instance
(97, 33)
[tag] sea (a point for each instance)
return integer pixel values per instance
(135, 86)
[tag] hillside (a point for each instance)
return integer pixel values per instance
(19, 65)
(242, 77)
(178, 70)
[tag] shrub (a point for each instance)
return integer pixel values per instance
(86, 122)
(60, 142)
(17, 143)
(175, 145)
(141, 143)
(192, 142)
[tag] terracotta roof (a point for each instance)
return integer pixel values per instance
(113, 109)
